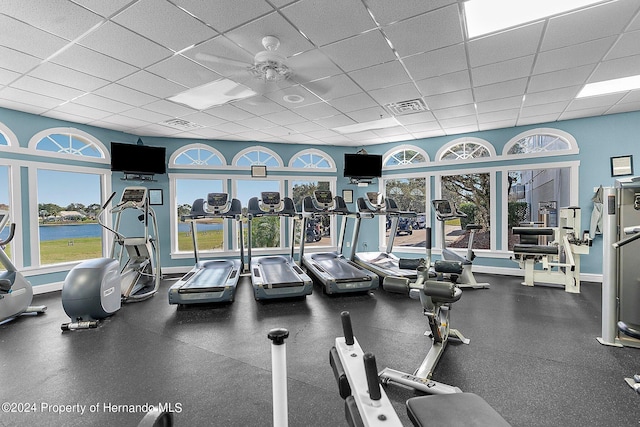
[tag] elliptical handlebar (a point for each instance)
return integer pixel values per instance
(12, 232)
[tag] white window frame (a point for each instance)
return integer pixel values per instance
(272, 153)
(483, 142)
(332, 165)
(175, 154)
(333, 183)
(565, 136)
(403, 147)
(35, 139)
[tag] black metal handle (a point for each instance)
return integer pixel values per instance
(371, 370)
(108, 200)
(346, 327)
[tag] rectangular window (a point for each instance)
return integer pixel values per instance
(211, 231)
(410, 195)
(68, 204)
(318, 232)
(265, 231)
(471, 194)
(534, 197)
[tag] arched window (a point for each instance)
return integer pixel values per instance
(257, 156)
(7, 137)
(541, 142)
(196, 155)
(312, 159)
(64, 142)
(405, 155)
(466, 149)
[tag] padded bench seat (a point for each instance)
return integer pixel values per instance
(535, 249)
(453, 410)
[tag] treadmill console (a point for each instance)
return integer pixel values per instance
(136, 196)
(376, 199)
(323, 199)
(270, 201)
(217, 203)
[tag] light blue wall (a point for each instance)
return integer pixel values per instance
(598, 138)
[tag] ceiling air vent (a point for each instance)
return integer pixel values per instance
(181, 124)
(407, 107)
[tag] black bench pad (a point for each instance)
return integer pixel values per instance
(453, 410)
(535, 249)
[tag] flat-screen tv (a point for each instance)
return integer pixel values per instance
(362, 166)
(140, 159)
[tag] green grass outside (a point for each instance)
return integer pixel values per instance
(207, 240)
(65, 250)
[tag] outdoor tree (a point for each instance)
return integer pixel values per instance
(470, 189)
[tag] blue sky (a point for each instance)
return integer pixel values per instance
(64, 188)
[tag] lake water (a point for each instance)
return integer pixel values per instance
(57, 232)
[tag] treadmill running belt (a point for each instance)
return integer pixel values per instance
(339, 268)
(212, 277)
(278, 273)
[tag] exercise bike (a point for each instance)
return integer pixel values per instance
(446, 211)
(16, 292)
(94, 289)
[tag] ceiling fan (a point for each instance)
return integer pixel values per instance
(268, 66)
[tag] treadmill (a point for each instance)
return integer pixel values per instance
(213, 280)
(332, 270)
(275, 276)
(384, 264)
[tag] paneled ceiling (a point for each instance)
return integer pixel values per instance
(115, 63)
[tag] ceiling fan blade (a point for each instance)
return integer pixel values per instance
(220, 60)
(318, 87)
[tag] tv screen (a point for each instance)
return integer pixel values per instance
(362, 165)
(142, 159)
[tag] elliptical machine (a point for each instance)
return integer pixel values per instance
(444, 212)
(16, 292)
(94, 289)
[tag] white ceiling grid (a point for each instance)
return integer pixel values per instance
(115, 64)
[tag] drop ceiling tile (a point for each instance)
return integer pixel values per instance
(27, 39)
(203, 119)
(429, 134)
(386, 12)
(231, 127)
(368, 114)
(392, 131)
(444, 29)
(354, 102)
(616, 68)
(229, 112)
(423, 127)
(499, 116)
(451, 99)
(423, 117)
(184, 71)
(253, 135)
(284, 118)
(66, 116)
(500, 90)
(125, 121)
(631, 96)
(21, 106)
(404, 92)
(7, 76)
(250, 36)
(159, 130)
(307, 97)
(66, 76)
(452, 112)
(459, 130)
(14, 60)
(29, 98)
(60, 17)
(437, 62)
(588, 112)
(380, 76)
(316, 111)
(446, 83)
(300, 137)
(626, 45)
(103, 8)
(506, 45)
(335, 121)
(544, 109)
(624, 107)
(355, 53)
(93, 63)
(223, 16)
(210, 133)
(596, 101)
(169, 108)
(501, 71)
(534, 120)
(573, 56)
(82, 111)
(277, 131)
(334, 87)
(559, 79)
(548, 96)
(325, 22)
(110, 38)
(259, 105)
(362, 136)
(457, 122)
(152, 84)
(168, 26)
(101, 103)
(42, 87)
(146, 115)
(124, 94)
(336, 140)
(500, 104)
(497, 125)
(601, 21)
(257, 123)
(321, 134)
(311, 65)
